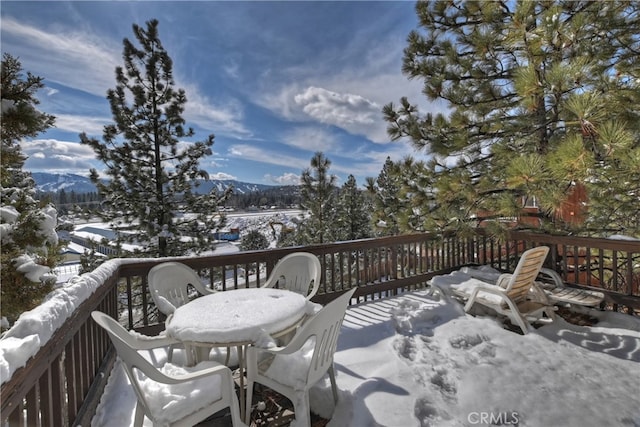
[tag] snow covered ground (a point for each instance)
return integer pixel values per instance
(419, 360)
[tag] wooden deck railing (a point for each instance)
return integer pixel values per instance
(62, 384)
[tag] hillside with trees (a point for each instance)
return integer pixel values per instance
(86, 203)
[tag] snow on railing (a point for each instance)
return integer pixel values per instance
(34, 328)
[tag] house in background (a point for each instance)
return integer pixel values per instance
(72, 252)
(575, 261)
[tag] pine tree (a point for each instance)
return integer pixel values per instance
(542, 96)
(153, 173)
(388, 206)
(353, 218)
(318, 195)
(29, 240)
(254, 240)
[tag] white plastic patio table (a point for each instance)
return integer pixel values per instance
(239, 318)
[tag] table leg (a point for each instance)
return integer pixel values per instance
(241, 370)
(202, 353)
(189, 354)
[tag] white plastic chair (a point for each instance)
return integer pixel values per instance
(292, 370)
(166, 396)
(516, 295)
(552, 285)
(169, 285)
(298, 272)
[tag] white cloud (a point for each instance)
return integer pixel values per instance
(341, 109)
(50, 146)
(353, 113)
(284, 179)
(51, 155)
(92, 126)
(222, 176)
(70, 57)
(217, 119)
(279, 98)
(232, 69)
(345, 95)
(310, 138)
(249, 152)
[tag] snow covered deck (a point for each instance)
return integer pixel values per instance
(414, 360)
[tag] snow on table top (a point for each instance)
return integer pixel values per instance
(239, 315)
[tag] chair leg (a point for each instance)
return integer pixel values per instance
(520, 321)
(234, 408)
(302, 409)
(249, 398)
(515, 315)
(551, 313)
(139, 416)
(334, 387)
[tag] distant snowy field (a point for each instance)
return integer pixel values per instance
(269, 222)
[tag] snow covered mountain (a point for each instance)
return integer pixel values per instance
(54, 182)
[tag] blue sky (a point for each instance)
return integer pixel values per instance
(274, 81)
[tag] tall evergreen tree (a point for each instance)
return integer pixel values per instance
(387, 202)
(28, 237)
(353, 212)
(153, 172)
(541, 96)
(318, 195)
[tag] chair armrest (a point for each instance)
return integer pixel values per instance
(490, 289)
(271, 282)
(201, 289)
(164, 305)
(218, 369)
(146, 342)
(295, 344)
(288, 349)
(503, 280)
(214, 370)
(540, 294)
(494, 290)
(553, 275)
